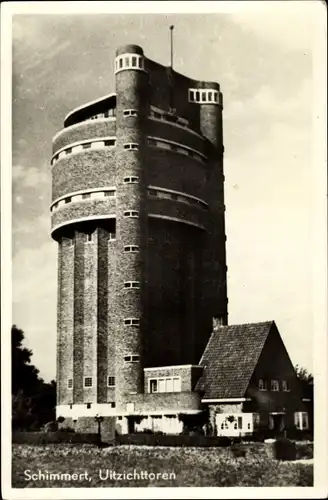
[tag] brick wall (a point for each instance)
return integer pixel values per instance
(177, 401)
(83, 131)
(88, 169)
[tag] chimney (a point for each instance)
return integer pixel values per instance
(218, 322)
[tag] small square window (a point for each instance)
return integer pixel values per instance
(88, 382)
(111, 382)
(135, 358)
(68, 199)
(68, 151)
(88, 237)
(88, 406)
(127, 358)
(112, 405)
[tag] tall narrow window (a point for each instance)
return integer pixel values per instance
(262, 384)
(70, 383)
(111, 382)
(134, 61)
(274, 385)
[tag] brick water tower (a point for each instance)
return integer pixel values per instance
(138, 213)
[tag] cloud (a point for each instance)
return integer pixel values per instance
(289, 24)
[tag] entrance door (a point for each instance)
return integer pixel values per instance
(130, 425)
(277, 422)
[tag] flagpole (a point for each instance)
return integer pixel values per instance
(171, 30)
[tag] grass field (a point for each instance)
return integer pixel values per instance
(187, 466)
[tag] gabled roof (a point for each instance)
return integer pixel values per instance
(230, 358)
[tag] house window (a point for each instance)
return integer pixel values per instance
(68, 151)
(111, 382)
(285, 386)
(274, 385)
(135, 358)
(165, 384)
(263, 386)
(88, 406)
(85, 196)
(127, 358)
(112, 236)
(134, 61)
(153, 387)
(191, 96)
(88, 237)
(109, 193)
(87, 145)
(87, 381)
(70, 383)
(112, 405)
(68, 199)
(301, 420)
(110, 142)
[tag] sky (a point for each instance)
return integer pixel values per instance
(263, 61)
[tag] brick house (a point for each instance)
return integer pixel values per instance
(249, 382)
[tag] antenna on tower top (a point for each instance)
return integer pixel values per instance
(171, 32)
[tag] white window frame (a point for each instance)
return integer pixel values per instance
(131, 321)
(131, 248)
(298, 420)
(165, 380)
(263, 384)
(285, 386)
(131, 179)
(131, 146)
(132, 214)
(274, 385)
(132, 285)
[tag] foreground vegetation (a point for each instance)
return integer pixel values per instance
(191, 466)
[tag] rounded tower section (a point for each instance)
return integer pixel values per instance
(132, 108)
(83, 223)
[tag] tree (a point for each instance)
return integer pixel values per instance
(33, 400)
(306, 381)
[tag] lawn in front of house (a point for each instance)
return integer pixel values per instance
(141, 466)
